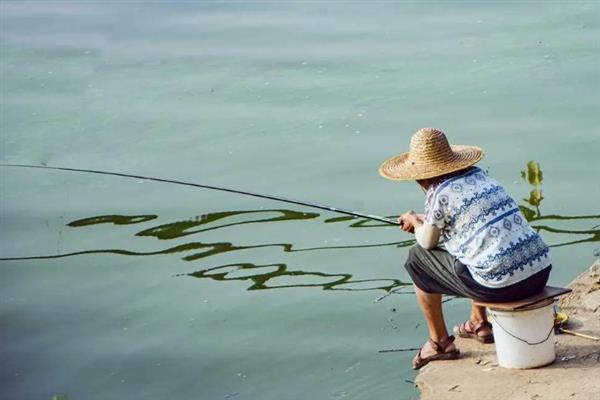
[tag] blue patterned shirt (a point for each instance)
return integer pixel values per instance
(483, 227)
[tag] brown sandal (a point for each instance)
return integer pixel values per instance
(473, 333)
(441, 353)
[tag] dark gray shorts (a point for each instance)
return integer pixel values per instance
(437, 271)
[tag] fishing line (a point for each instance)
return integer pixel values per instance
(212, 187)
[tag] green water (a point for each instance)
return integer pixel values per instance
(127, 289)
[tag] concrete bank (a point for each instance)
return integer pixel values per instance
(574, 375)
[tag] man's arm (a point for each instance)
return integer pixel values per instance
(427, 235)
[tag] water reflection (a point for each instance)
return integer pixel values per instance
(184, 228)
(278, 275)
(361, 222)
(112, 219)
(271, 276)
(265, 276)
(534, 176)
(207, 250)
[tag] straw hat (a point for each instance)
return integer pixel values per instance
(430, 155)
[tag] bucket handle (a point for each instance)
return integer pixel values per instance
(521, 339)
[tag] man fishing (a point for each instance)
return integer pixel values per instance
(490, 252)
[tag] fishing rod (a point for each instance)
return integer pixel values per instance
(223, 189)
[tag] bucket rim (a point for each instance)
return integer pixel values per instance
(534, 306)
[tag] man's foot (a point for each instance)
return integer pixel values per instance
(480, 331)
(431, 351)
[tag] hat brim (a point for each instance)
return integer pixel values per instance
(399, 168)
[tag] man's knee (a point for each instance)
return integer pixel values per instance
(412, 259)
(414, 250)
(414, 253)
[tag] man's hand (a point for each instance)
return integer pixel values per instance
(409, 221)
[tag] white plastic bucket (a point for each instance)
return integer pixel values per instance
(524, 339)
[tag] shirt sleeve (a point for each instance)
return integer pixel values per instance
(435, 210)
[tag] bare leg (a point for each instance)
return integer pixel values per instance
(431, 306)
(478, 315)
